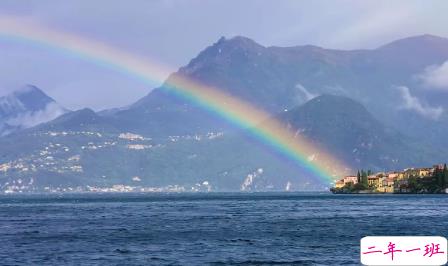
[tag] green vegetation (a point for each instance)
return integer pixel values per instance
(413, 180)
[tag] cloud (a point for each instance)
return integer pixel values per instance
(436, 77)
(306, 93)
(30, 119)
(413, 103)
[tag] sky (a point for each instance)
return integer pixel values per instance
(173, 32)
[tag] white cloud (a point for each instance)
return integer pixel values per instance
(30, 119)
(413, 103)
(306, 93)
(436, 77)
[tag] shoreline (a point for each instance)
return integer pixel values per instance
(392, 193)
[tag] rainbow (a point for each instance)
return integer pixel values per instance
(272, 133)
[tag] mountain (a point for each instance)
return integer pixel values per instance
(352, 133)
(61, 156)
(370, 108)
(279, 78)
(26, 107)
(82, 150)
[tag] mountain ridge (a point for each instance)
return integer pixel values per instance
(351, 132)
(165, 140)
(61, 154)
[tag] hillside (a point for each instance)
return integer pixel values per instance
(279, 78)
(365, 106)
(82, 149)
(352, 133)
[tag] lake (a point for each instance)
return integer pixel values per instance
(210, 229)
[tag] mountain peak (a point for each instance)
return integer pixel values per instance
(223, 52)
(26, 107)
(85, 115)
(84, 112)
(329, 105)
(28, 98)
(31, 97)
(345, 127)
(28, 89)
(417, 42)
(238, 41)
(225, 46)
(327, 98)
(81, 120)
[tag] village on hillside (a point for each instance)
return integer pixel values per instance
(411, 180)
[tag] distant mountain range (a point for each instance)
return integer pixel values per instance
(372, 108)
(388, 81)
(25, 108)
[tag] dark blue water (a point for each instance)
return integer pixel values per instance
(216, 229)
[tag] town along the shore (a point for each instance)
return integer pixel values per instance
(430, 180)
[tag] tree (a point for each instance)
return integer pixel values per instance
(445, 176)
(413, 184)
(359, 186)
(359, 177)
(364, 178)
(439, 177)
(349, 187)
